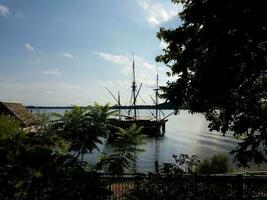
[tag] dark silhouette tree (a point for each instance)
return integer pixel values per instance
(35, 166)
(126, 146)
(84, 128)
(219, 58)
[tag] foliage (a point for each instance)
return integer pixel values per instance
(169, 183)
(216, 165)
(83, 127)
(36, 167)
(192, 187)
(126, 147)
(101, 114)
(8, 126)
(183, 180)
(42, 121)
(219, 57)
(184, 164)
(128, 139)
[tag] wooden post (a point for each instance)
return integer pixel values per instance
(156, 164)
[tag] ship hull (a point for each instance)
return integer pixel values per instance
(149, 127)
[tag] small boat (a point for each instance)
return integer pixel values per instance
(151, 125)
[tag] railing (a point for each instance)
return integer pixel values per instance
(188, 187)
(120, 185)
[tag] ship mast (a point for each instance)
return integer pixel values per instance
(134, 90)
(157, 95)
(119, 102)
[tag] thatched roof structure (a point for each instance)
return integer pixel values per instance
(18, 111)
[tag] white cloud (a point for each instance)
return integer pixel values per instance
(143, 63)
(107, 84)
(55, 72)
(29, 47)
(117, 59)
(122, 60)
(158, 13)
(66, 55)
(34, 61)
(4, 11)
(145, 72)
(49, 92)
(126, 61)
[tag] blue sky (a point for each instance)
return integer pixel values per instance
(66, 52)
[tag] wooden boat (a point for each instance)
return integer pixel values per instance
(149, 127)
(152, 125)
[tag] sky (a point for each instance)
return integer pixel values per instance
(65, 52)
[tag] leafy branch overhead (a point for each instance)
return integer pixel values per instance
(219, 58)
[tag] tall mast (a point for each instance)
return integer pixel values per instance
(134, 90)
(119, 102)
(157, 95)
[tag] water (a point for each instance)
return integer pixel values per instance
(185, 133)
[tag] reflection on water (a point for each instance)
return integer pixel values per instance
(185, 133)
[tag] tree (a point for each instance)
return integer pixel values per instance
(219, 58)
(171, 182)
(42, 121)
(34, 166)
(218, 164)
(83, 127)
(8, 127)
(126, 144)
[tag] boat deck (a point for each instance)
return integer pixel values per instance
(149, 127)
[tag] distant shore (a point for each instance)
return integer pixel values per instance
(160, 106)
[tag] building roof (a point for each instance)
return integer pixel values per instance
(18, 111)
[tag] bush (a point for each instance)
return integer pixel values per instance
(216, 165)
(8, 126)
(35, 167)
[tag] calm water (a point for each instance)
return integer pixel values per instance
(185, 133)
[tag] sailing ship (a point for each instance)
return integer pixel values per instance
(151, 125)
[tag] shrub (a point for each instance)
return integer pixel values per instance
(33, 166)
(216, 165)
(8, 127)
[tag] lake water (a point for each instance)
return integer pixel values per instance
(185, 133)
